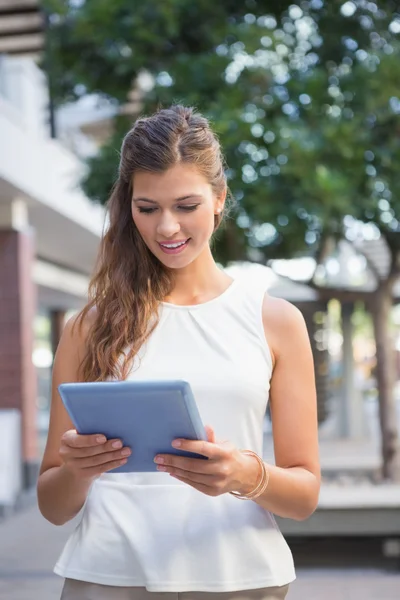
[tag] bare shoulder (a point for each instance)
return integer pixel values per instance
(77, 328)
(280, 313)
(283, 324)
(73, 343)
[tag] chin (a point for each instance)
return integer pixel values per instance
(174, 264)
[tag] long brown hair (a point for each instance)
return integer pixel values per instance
(129, 281)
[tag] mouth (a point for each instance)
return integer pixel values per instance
(174, 247)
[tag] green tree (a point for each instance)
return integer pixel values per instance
(305, 101)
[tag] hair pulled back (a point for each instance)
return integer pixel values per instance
(129, 281)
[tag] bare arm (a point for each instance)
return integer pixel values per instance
(294, 483)
(71, 462)
(60, 495)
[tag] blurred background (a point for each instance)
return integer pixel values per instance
(305, 100)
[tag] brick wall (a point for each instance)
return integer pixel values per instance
(17, 311)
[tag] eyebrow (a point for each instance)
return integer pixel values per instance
(141, 199)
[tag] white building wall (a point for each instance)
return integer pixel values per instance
(43, 172)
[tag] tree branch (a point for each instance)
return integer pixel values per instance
(395, 263)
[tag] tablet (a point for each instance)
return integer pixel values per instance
(146, 415)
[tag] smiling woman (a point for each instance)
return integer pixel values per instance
(161, 308)
(172, 176)
(181, 225)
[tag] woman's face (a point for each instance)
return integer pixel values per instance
(174, 213)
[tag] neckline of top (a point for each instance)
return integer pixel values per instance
(228, 290)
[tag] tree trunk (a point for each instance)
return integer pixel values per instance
(381, 310)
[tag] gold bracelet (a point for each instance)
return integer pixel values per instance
(262, 484)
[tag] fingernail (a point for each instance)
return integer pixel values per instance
(116, 444)
(176, 444)
(159, 460)
(125, 452)
(101, 439)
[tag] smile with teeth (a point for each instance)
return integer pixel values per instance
(174, 247)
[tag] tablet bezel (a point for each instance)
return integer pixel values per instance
(178, 392)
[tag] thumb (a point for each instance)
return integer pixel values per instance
(210, 434)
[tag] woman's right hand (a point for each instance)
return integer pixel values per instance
(88, 456)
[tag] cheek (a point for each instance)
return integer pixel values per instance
(142, 225)
(206, 222)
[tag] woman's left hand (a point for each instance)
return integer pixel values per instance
(226, 470)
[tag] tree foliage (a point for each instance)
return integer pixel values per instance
(304, 98)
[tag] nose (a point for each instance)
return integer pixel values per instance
(168, 225)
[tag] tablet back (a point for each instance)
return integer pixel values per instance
(146, 415)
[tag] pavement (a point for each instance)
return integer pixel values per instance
(29, 547)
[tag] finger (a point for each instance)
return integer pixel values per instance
(208, 449)
(75, 440)
(98, 470)
(82, 452)
(207, 480)
(197, 486)
(101, 459)
(210, 434)
(193, 465)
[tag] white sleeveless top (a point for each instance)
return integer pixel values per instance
(153, 531)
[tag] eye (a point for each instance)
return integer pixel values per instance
(146, 211)
(188, 208)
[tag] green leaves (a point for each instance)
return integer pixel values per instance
(305, 101)
(102, 169)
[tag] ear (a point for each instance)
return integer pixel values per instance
(220, 202)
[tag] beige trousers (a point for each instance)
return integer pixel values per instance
(81, 590)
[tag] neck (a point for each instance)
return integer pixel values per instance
(199, 281)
